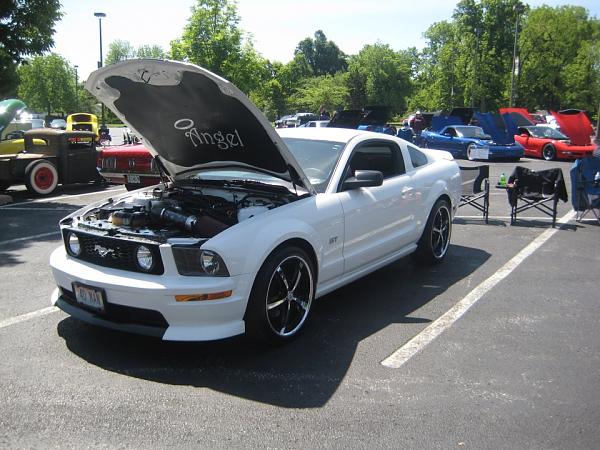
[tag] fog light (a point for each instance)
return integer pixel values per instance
(73, 244)
(144, 257)
(202, 297)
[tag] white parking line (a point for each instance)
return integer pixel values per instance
(63, 197)
(32, 315)
(27, 238)
(433, 330)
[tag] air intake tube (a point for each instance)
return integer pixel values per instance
(203, 226)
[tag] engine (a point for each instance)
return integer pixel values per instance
(173, 212)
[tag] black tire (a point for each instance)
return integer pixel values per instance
(549, 152)
(41, 177)
(434, 242)
(469, 153)
(4, 185)
(281, 296)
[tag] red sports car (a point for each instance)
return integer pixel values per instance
(542, 141)
(131, 165)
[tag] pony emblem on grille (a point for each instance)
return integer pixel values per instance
(102, 251)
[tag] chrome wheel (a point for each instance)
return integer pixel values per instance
(440, 232)
(289, 295)
(470, 153)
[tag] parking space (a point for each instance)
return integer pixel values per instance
(518, 369)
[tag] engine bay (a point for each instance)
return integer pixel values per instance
(170, 211)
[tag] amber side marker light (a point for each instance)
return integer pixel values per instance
(202, 297)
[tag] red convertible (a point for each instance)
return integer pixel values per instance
(542, 141)
(572, 141)
(131, 165)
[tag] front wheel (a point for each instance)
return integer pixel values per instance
(281, 297)
(470, 156)
(41, 177)
(433, 245)
(549, 152)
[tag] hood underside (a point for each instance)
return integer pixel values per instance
(193, 119)
(576, 125)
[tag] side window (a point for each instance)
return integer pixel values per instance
(417, 157)
(382, 156)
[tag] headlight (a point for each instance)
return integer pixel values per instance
(144, 257)
(191, 261)
(210, 262)
(73, 244)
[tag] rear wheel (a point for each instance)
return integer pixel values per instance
(549, 152)
(433, 245)
(41, 177)
(281, 297)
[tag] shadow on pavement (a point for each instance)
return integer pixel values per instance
(303, 374)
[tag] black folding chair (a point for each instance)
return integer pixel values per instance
(473, 193)
(536, 189)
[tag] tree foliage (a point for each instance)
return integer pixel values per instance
(213, 40)
(119, 50)
(378, 75)
(47, 83)
(560, 64)
(322, 55)
(26, 29)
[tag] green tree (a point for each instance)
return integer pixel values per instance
(322, 55)
(327, 91)
(213, 40)
(119, 50)
(379, 76)
(151, 51)
(559, 54)
(26, 29)
(47, 83)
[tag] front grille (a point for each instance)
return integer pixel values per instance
(120, 313)
(116, 253)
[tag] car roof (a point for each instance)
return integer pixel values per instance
(323, 133)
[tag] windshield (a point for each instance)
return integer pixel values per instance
(471, 132)
(546, 132)
(316, 158)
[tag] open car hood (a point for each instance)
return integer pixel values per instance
(193, 119)
(575, 124)
(502, 129)
(438, 123)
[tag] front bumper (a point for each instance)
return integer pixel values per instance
(501, 152)
(136, 302)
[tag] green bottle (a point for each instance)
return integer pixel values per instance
(502, 179)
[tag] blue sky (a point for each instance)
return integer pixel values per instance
(275, 25)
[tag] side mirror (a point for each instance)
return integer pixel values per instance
(524, 135)
(363, 178)
(447, 133)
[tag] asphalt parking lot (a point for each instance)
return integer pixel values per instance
(512, 361)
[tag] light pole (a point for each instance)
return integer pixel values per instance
(476, 67)
(76, 81)
(519, 8)
(100, 15)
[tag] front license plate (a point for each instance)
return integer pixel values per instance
(133, 179)
(480, 153)
(89, 296)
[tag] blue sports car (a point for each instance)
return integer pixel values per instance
(468, 141)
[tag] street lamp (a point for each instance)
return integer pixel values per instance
(100, 16)
(76, 81)
(519, 8)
